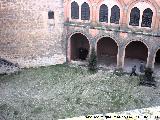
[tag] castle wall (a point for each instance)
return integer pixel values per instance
(27, 36)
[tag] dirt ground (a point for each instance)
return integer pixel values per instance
(65, 91)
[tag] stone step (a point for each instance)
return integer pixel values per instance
(7, 67)
(152, 113)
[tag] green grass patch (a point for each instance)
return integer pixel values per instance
(62, 91)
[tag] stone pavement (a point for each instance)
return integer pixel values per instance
(138, 114)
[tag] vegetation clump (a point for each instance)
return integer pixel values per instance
(92, 66)
(148, 79)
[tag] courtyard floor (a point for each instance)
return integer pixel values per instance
(65, 91)
(110, 63)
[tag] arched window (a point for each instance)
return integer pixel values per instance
(85, 11)
(50, 15)
(147, 18)
(74, 10)
(115, 14)
(134, 17)
(103, 13)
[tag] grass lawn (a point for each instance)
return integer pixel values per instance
(62, 91)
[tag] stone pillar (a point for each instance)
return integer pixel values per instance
(93, 44)
(120, 57)
(68, 49)
(150, 59)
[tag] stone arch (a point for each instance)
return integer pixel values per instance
(69, 42)
(153, 63)
(154, 52)
(116, 38)
(107, 47)
(84, 32)
(152, 5)
(136, 50)
(144, 41)
(132, 2)
(157, 56)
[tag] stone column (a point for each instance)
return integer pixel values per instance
(120, 57)
(93, 44)
(150, 59)
(68, 49)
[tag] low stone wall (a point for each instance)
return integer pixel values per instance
(138, 114)
(8, 67)
(40, 61)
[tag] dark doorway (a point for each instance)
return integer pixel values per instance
(137, 50)
(107, 50)
(157, 59)
(79, 47)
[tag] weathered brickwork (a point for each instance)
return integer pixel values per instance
(122, 33)
(29, 38)
(27, 34)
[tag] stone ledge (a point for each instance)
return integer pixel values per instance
(152, 113)
(40, 61)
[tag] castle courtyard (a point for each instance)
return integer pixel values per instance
(65, 91)
(46, 47)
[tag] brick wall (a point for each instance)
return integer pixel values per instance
(27, 34)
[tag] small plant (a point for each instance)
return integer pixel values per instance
(148, 74)
(147, 78)
(92, 66)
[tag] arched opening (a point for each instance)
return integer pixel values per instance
(147, 18)
(134, 17)
(135, 53)
(103, 13)
(157, 63)
(157, 58)
(115, 14)
(85, 11)
(74, 10)
(79, 47)
(107, 50)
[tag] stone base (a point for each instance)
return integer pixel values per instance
(27, 63)
(7, 67)
(41, 61)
